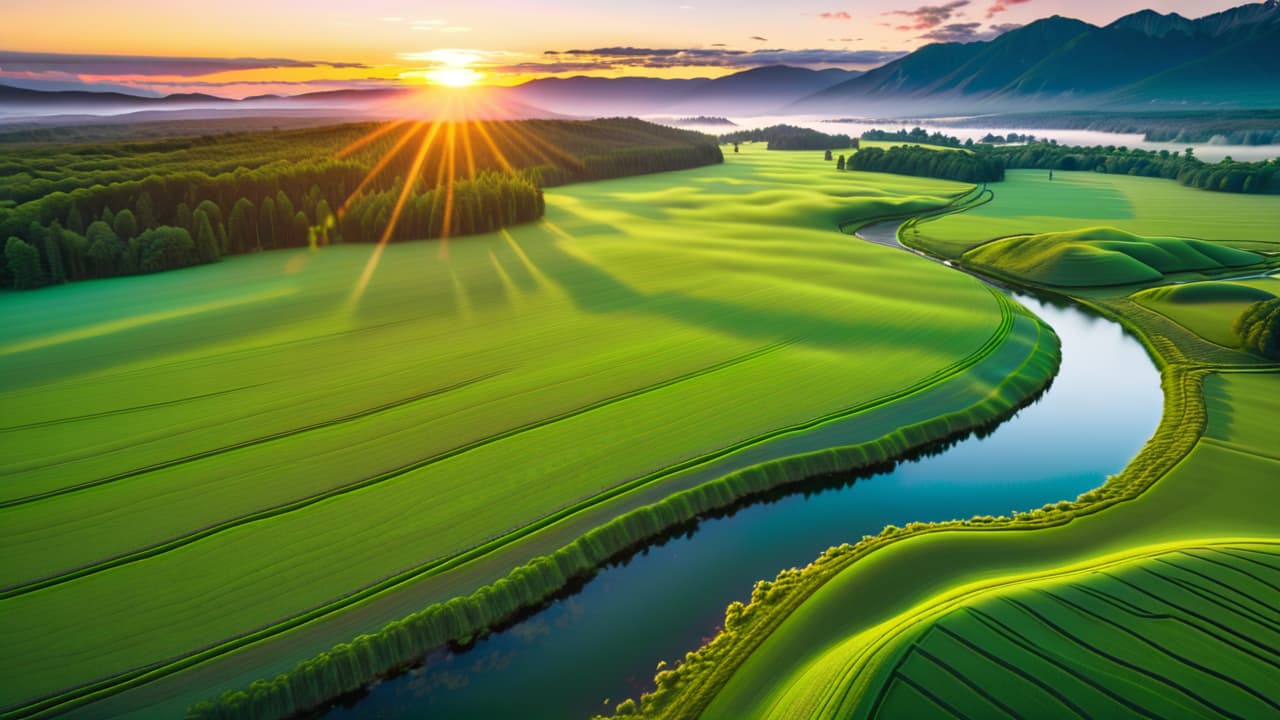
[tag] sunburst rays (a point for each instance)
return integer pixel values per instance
(460, 132)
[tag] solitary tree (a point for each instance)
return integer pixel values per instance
(840, 163)
(828, 156)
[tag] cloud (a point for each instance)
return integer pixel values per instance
(147, 65)
(927, 17)
(1000, 6)
(613, 58)
(967, 32)
(840, 15)
(758, 38)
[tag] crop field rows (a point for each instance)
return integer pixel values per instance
(1189, 633)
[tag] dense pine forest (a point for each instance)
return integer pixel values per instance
(84, 211)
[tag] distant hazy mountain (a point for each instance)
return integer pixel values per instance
(18, 104)
(15, 100)
(1143, 60)
(750, 92)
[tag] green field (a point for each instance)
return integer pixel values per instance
(839, 625)
(1178, 632)
(824, 641)
(303, 447)
(1201, 306)
(1028, 203)
(1093, 257)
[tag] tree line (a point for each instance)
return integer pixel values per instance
(916, 135)
(1186, 168)
(471, 177)
(971, 167)
(790, 137)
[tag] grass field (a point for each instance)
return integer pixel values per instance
(1201, 306)
(1092, 257)
(192, 456)
(1027, 203)
(811, 642)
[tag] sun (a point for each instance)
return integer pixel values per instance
(456, 77)
(447, 66)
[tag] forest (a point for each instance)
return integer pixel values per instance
(1186, 168)
(971, 167)
(916, 135)
(790, 137)
(85, 211)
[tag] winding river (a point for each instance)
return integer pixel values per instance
(586, 652)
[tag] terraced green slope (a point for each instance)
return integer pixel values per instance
(1029, 203)
(1188, 632)
(1202, 306)
(1100, 256)
(213, 474)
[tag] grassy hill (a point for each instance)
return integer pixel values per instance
(1102, 256)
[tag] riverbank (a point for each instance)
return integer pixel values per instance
(817, 620)
(460, 451)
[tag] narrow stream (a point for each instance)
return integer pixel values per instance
(583, 654)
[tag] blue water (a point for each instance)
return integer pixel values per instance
(585, 653)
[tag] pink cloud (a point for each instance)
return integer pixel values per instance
(1000, 6)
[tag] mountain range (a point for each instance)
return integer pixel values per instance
(1141, 61)
(1145, 61)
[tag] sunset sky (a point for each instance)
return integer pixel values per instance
(236, 48)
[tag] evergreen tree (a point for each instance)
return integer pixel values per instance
(182, 216)
(75, 223)
(53, 251)
(145, 210)
(284, 220)
(105, 251)
(242, 228)
(301, 229)
(267, 224)
(207, 248)
(840, 164)
(125, 225)
(23, 263)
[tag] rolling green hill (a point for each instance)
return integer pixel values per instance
(1100, 256)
